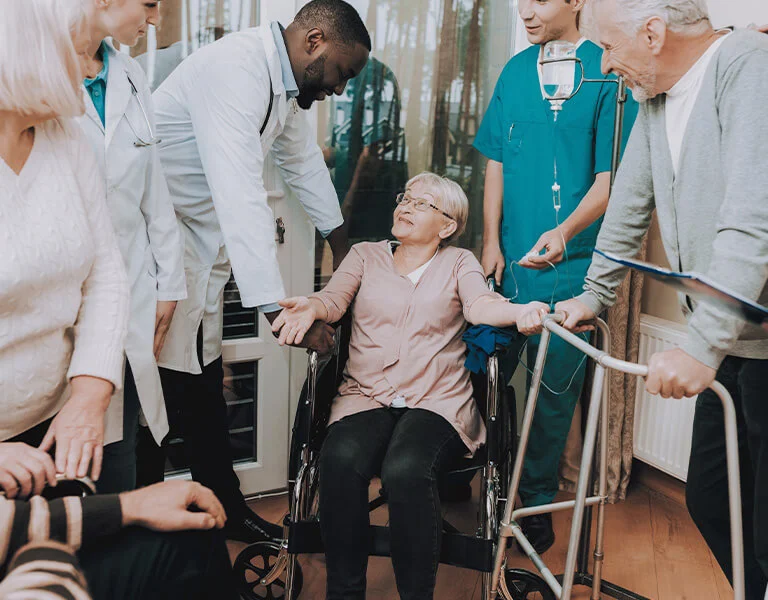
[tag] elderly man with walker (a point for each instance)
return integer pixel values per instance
(696, 156)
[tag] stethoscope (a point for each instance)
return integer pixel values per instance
(141, 142)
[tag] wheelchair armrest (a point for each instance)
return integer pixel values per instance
(80, 487)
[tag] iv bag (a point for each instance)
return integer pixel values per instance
(557, 78)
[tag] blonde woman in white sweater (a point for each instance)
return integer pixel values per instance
(63, 289)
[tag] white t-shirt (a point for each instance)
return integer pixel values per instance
(416, 274)
(681, 99)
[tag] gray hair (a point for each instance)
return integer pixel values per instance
(679, 15)
(453, 198)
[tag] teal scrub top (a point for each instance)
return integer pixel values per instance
(519, 131)
(97, 87)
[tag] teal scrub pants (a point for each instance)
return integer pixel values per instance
(565, 365)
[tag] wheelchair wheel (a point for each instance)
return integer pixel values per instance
(524, 585)
(253, 564)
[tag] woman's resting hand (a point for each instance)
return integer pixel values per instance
(78, 429)
(530, 319)
(24, 470)
(173, 506)
(294, 320)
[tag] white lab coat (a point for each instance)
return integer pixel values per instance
(209, 113)
(145, 226)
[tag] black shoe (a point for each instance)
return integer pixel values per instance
(539, 532)
(251, 528)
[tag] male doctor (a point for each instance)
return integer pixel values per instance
(218, 114)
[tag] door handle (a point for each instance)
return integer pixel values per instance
(280, 229)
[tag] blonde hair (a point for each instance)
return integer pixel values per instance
(40, 70)
(453, 198)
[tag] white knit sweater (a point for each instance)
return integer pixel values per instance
(63, 288)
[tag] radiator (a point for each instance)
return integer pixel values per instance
(662, 436)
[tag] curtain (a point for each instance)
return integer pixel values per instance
(192, 24)
(624, 323)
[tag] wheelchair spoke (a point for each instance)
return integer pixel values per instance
(259, 560)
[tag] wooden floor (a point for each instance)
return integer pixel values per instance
(651, 547)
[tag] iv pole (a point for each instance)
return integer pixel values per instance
(583, 576)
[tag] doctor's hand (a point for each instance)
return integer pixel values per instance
(163, 318)
(575, 312)
(319, 338)
(492, 261)
(78, 430)
(553, 242)
(676, 374)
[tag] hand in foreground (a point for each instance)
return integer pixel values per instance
(530, 320)
(553, 242)
(677, 374)
(78, 429)
(163, 318)
(24, 470)
(493, 262)
(173, 506)
(576, 313)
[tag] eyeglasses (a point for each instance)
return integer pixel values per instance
(419, 204)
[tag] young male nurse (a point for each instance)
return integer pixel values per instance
(522, 141)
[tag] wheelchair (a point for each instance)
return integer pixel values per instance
(270, 569)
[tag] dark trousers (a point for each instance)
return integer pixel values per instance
(138, 564)
(33, 436)
(118, 473)
(204, 426)
(707, 489)
(410, 448)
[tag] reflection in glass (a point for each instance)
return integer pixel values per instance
(415, 107)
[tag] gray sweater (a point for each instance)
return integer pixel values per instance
(714, 215)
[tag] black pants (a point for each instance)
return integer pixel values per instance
(118, 473)
(409, 448)
(33, 436)
(707, 490)
(138, 564)
(205, 429)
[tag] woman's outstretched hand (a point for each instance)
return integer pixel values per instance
(294, 320)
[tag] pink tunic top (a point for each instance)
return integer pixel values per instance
(406, 338)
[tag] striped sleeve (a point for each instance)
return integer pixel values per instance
(71, 521)
(45, 571)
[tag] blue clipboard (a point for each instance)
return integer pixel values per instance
(699, 287)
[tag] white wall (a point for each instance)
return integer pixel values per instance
(738, 12)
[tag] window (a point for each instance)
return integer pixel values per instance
(415, 107)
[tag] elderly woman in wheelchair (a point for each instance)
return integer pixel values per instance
(404, 409)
